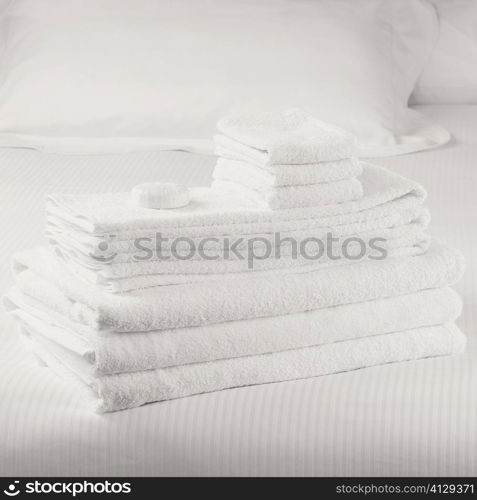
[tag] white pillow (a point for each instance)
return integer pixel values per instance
(451, 74)
(104, 76)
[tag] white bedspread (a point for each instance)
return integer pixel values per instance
(415, 418)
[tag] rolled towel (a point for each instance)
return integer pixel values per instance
(230, 168)
(287, 137)
(113, 352)
(111, 213)
(206, 303)
(128, 390)
(288, 197)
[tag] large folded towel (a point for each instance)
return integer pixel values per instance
(128, 390)
(287, 197)
(128, 276)
(87, 248)
(287, 137)
(211, 211)
(247, 271)
(401, 222)
(230, 167)
(253, 255)
(207, 303)
(311, 260)
(113, 352)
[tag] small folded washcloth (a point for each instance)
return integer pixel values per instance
(228, 168)
(279, 198)
(206, 303)
(288, 137)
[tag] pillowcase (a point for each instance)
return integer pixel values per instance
(101, 76)
(451, 74)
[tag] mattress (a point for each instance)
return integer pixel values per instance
(409, 419)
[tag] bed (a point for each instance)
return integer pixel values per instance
(408, 419)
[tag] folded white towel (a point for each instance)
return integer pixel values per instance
(86, 251)
(400, 213)
(385, 193)
(287, 137)
(208, 303)
(147, 281)
(287, 197)
(114, 352)
(123, 277)
(311, 261)
(128, 390)
(228, 167)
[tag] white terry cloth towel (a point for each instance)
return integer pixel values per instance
(128, 390)
(312, 256)
(86, 250)
(207, 303)
(214, 212)
(399, 223)
(146, 281)
(284, 137)
(122, 277)
(288, 197)
(118, 352)
(230, 167)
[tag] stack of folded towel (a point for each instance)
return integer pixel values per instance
(286, 160)
(134, 331)
(103, 237)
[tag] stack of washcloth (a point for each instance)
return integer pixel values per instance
(133, 331)
(286, 160)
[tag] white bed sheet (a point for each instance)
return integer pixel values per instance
(415, 418)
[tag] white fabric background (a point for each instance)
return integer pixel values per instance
(116, 75)
(416, 418)
(450, 76)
